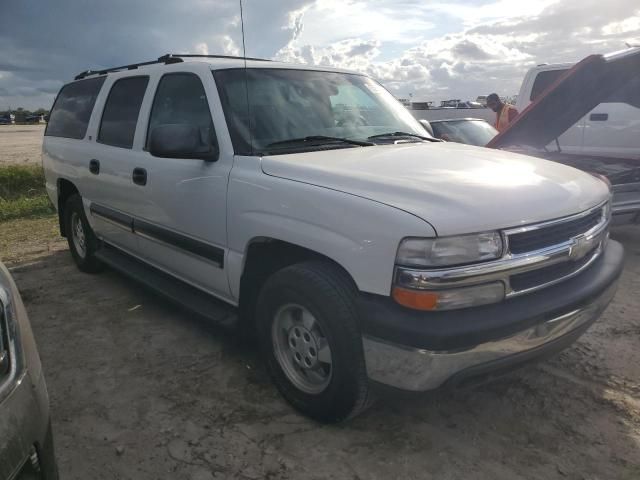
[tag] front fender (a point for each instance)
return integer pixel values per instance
(359, 234)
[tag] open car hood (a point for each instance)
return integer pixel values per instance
(579, 90)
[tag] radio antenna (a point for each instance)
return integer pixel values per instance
(244, 47)
(246, 80)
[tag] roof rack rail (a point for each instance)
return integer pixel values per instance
(166, 59)
(133, 66)
(200, 55)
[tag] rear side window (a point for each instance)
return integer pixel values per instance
(72, 110)
(544, 80)
(121, 110)
(629, 94)
(180, 99)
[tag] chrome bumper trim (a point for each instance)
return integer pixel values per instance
(421, 370)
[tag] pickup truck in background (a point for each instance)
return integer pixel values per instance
(610, 127)
(573, 120)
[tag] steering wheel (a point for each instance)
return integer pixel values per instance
(353, 120)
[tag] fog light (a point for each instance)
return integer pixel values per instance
(451, 298)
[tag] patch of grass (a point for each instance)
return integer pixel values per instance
(22, 192)
(21, 181)
(25, 207)
(23, 239)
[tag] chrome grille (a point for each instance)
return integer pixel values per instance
(552, 274)
(555, 251)
(582, 237)
(553, 234)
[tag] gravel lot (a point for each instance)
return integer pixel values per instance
(141, 390)
(20, 144)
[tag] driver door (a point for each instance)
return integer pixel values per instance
(181, 222)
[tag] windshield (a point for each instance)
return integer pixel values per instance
(287, 104)
(471, 132)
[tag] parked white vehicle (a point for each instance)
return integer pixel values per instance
(545, 127)
(611, 129)
(357, 248)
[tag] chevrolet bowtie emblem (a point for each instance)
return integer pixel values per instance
(581, 246)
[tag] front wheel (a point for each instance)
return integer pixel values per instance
(308, 333)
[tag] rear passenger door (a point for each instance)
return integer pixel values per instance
(181, 218)
(613, 127)
(112, 191)
(67, 145)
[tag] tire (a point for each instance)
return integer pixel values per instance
(83, 244)
(47, 458)
(327, 392)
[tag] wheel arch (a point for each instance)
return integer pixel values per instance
(263, 257)
(65, 189)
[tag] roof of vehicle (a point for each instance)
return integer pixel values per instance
(216, 62)
(577, 91)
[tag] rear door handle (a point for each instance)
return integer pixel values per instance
(94, 166)
(599, 117)
(139, 176)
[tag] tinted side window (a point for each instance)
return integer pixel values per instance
(180, 99)
(121, 111)
(72, 110)
(630, 94)
(543, 80)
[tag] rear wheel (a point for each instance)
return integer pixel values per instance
(83, 243)
(309, 336)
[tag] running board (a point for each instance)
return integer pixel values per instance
(177, 291)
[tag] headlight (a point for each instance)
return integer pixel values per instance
(449, 251)
(411, 291)
(4, 347)
(8, 334)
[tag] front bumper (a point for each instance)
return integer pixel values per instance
(26, 445)
(449, 347)
(25, 430)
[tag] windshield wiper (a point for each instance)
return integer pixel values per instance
(403, 134)
(320, 138)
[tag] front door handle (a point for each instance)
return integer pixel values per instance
(94, 166)
(599, 117)
(139, 176)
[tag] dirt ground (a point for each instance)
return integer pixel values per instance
(20, 144)
(142, 390)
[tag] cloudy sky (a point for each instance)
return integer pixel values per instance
(431, 49)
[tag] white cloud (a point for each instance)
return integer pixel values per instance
(202, 48)
(473, 15)
(218, 45)
(628, 25)
(330, 21)
(501, 41)
(433, 49)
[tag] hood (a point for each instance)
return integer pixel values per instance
(456, 188)
(578, 91)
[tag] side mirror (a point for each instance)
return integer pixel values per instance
(427, 126)
(181, 141)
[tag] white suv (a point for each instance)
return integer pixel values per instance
(358, 249)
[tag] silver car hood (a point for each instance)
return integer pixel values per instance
(456, 188)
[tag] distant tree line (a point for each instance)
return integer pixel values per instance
(21, 113)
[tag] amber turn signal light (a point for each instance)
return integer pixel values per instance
(416, 299)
